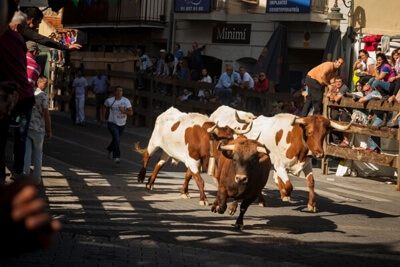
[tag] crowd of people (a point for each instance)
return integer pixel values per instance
(65, 38)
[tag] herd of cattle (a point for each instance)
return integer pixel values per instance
(244, 147)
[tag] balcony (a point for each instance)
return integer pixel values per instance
(115, 14)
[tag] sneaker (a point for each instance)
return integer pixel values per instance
(109, 154)
(117, 160)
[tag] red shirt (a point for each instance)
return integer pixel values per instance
(33, 70)
(262, 86)
(13, 62)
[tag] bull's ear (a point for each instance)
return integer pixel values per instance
(227, 153)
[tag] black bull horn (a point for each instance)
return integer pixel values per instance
(332, 124)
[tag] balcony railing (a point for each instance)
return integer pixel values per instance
(115, 13)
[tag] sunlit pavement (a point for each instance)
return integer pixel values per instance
(109, 219)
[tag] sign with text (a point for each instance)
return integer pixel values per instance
(192, 6)
(231, 33)
(288, 6)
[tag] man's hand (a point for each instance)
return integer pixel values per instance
(26, 222)
(74, 46)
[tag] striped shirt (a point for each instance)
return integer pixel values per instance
(33, 70)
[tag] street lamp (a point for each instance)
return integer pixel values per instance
(335, 16)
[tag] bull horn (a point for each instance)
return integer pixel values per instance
(262, 149)
(245, 131)
(298, 120)
(238, 119)
(220, 147)
(338, 126)
(211, 129)
(258, 137)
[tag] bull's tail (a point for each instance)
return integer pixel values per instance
(140, 150)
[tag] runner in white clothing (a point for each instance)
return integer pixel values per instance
(120, 107)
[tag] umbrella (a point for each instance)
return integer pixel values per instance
(274, 61)
(348, 55)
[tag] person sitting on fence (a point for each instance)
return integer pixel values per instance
(227, 81)
(263, 83)
(335, 94)
(245, 80)
(396, 95)
(384, 76)
(208, 98)
(364, 67)
(145, 66)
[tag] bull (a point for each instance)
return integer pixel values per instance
(244, 168)
(291, 141)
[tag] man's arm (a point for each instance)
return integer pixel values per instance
(31, 35)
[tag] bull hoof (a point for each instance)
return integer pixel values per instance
(150, 187)
(238, 226)
(185, 196)
(285, 199)
(262, 204)
(231, 211)
(203, 203)
(140, 180)
(311, 208)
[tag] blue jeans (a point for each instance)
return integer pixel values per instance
(225, 94)
(116, 133)
(20, 134)
(34, 151)
(384, 85)
(375, 140)
(80, 108)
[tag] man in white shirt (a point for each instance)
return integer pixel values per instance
(245, 80)
(80, 86)
(99, 85)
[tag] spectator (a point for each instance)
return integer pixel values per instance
(196, 62)
(335, 94)
(380, 119)
(208, 98)
(119, 107)
(99, 84)
(34, 18)
(364, 67)
(393, 58)
(145, 66)
(80, 88)
(187, 94)
(181, 73)
(263, 83)
(317, 78)
(162, 70)
(227, 81)
(205, 78)
(384, 76)
(178, 55)
(39, 128)
(245, 80)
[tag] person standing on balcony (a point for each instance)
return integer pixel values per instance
(196, 62)
(99, 84)
(317, 78)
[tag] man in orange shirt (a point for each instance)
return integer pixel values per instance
(317, 78)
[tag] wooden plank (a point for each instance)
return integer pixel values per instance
(361, 155)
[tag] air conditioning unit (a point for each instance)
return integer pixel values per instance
(253, 2)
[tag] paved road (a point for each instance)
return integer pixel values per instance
(109, 219)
